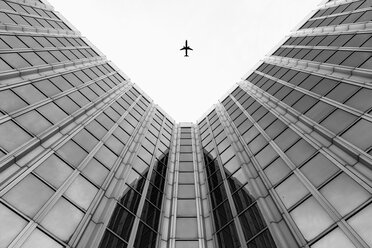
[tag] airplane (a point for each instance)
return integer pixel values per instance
(186, 47)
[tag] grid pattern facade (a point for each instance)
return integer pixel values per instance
(79, 142)
(283, 160)
(301, 121)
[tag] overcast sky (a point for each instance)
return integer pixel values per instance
(143, 38)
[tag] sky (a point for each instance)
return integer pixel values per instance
(143, 38)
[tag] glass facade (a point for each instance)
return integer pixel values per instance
(87, 159)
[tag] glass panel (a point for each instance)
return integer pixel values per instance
(72, 153)
(242, 200)
(29, 195)
(344, 194)
(186, 208)
(95, 171)
(10, 102)
(121, 222)
(222, 214)
(310, 218)
(186, 191)
(338, 121)
(10, 225)
(362, 100)
(299, 152)
(360, 134)
(318, 169)
(231, 166)
(62, 219)
(291, 191)
(145, 237)
(186, 178)
(106, 157)
(109, 240)
(334, 239)
(12, 136)
(85, 140)
(81, 192)
(150, 215)
(53, 113)
(54, 171)
(186, 228)
(228, 238)
(362, 224)
(264, 240)
(252, 222)
(131, 200)
(40, 240)
(34, 122)
(277, 170)
(266, 155)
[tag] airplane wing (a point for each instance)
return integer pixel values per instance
(190, 48)
(183, 48)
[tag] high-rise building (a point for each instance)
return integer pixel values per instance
(283, 160)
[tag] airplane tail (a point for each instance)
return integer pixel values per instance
(186, 56)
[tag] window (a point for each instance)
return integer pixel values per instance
(54, 171)
(29, 195)
(10, 102)
(310, 218)
(34, 122)
(12, 136)
(62, 219)
(344, 194)
(81, 192)
(10, 225)
(362, 225)
(338, 121)
(318, 169)
(359, 134)
(291, 191)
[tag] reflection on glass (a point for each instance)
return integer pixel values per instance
(310, 218)
(228, 237)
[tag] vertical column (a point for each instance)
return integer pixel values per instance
(187, 231)
(186, 221)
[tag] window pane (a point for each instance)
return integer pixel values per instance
(29, 93)
(106, 157)
(54, 171)
(109, 240)
(344, 194)
(34, 122)
(72, 153)
(299, 152)
(334, 239)
(360, 134)
(145, 237)
(81, 192)
(10, 225)
(95, 171)
(186, 228)
(228, 238)
(361, 100)
(310, 218)
(362, 224)
(62, 219)
(29, 195)
(10, 102)
(12, 136)
(121, 222)
(40, 240)
(291, 191)
(338, 121)
(277, 170)
(318, 169)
